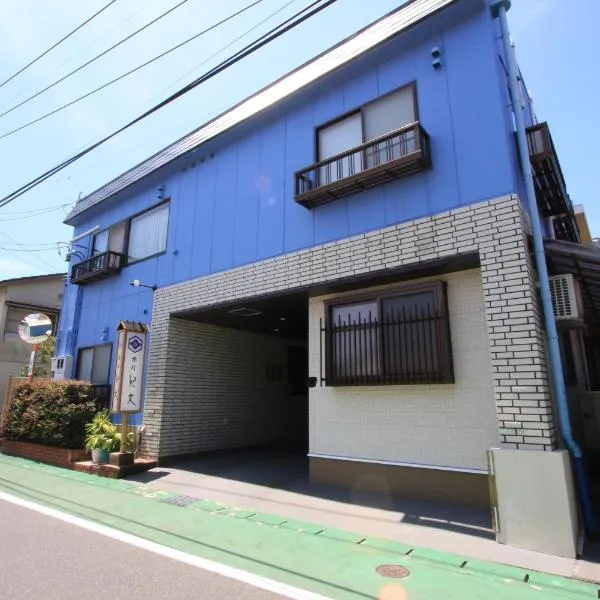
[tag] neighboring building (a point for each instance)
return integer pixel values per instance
(359, 223)
(19, 298)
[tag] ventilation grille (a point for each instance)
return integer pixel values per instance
(566, 297)
(244, 312)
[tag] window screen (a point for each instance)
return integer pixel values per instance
(334, 139)
(93, 364)
(354, 343)
(148, 233)
(101, 242)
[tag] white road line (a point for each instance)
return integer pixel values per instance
(208, 565)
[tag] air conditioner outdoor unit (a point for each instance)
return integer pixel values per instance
(566, 297)
(61, 367)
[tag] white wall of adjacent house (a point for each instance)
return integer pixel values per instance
(37, 292)
(444, 425)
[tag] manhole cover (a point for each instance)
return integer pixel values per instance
(393, 571)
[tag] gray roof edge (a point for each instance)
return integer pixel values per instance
(29, 278)
(146, 167)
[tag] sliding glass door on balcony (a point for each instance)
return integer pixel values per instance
(380, 141)
(383, 116)
(335, 139)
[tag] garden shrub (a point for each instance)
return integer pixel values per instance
(53, 413)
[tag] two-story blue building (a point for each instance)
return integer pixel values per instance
(341, 261)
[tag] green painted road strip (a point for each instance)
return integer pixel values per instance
(330, 562)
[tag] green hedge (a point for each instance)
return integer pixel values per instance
(53, 413)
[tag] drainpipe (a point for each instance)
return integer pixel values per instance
(499, 8)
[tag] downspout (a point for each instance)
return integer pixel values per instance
(499, 8)
(75, 329)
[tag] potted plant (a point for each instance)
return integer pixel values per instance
(101, 437)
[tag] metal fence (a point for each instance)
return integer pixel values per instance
(400, 348)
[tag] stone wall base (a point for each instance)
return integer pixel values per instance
(454, 487)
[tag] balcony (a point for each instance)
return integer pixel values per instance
(97, 267)
(550, 188)
(397, 154)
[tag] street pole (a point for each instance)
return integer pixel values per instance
(124, 428)
(32, 362)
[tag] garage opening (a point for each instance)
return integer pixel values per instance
(238, 381)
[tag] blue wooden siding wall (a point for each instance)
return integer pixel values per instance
(235, 204)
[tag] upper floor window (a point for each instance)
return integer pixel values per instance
(110, 239)
(379, 142)
(140, 237)
(384, 115)
(148, 233)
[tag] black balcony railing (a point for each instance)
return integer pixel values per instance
(402, 348)
(549, 182)
(394, 155)
(97, 267)
(550, 187)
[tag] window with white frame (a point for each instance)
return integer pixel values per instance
(370, 122)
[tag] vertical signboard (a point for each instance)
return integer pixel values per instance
(129, 367)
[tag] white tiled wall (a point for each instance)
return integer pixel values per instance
(497, 230)
(444, 425)
(219, 394)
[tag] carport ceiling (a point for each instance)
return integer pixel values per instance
(285, 315)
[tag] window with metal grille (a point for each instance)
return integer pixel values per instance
(396, 338)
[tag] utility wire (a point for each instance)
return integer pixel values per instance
(94, 59)
(112, 81)
(215, 112)
(37, 210)
(263, 40)
(53, 249)
(38, 258)
(57, 43)
(237, 39)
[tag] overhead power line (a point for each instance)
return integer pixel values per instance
(263, 40)
(204, 61)
(37, 257)
(29, 64)
(94, 59)
(148, 62)
(37, 213)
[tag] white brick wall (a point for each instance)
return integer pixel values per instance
(495, 229)
(218, 393)
(443, 425)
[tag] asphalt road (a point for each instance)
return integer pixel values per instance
(43, 558)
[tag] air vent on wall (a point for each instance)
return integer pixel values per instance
(566, 297)
(244, 312)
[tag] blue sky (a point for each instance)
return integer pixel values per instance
(554, 46)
